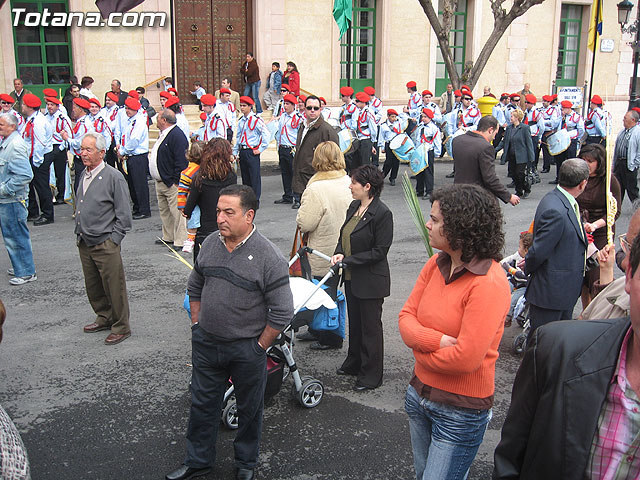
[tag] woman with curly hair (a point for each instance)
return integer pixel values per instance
(216, 172)
(453, 321)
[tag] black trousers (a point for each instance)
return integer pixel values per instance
(214, 362)
(546, 156)
(78, 168)
(499, 135)
(60, 168)
(425, 179)
(250, 170)
(570, 152)
(111, 157)
(536, 153)
(596, 139)
(539, 316)
(285, 156)
(391, 163)
(138, 167)
(519, 171)
(627, 179)
(40, 185)
(362, 156)
(229, 134)
(366, 343)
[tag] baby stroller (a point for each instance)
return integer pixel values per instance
(522, 317)
(307, 390)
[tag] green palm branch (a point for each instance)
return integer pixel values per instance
(413, 203)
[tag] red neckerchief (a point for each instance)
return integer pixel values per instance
(99, 121)
(363, 115)
(295, 123)
(425, 139)
(211, 126)
(251, 129)
(28, 133)
(123, 136)
(114, 114)
(396, 129)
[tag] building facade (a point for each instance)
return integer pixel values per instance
(390, 43)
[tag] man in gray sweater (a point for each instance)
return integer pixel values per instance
(103, 217)
(240, 301)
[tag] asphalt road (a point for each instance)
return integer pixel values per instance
(91, 411)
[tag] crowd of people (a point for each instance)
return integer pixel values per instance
(454, 318)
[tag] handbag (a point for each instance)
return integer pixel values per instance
(299, 240)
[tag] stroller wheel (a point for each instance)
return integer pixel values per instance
(311, 393)
(520, 343)
(230, 414)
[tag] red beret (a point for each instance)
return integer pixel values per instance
(133, 94)
(49, 92)
(566, 104)
(514, 96)
(554, 96)
(596, 99)
(636, 109)
(222, 90)
(457, 93)
(391, 111)
(411, 84)
(290, 98)
(547, 98)
(30, 100)
(427, 92)
(247, 100)
(5, 97)
(530, 98)
(369, 90)
(203, 116)
(428, 112)
(172, 101)
(165, 94)
(173, 90)
(363, 97)
(467, 93)
(112, 96)
(302, 98)
(132, 103)
(285, 86)
(322, 99)
(82, 103)
(95, 101)
(465, 87)
(52, 100)
(504, 95)
(206, 99)
(348, 91)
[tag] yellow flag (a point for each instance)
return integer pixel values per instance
(595, 26)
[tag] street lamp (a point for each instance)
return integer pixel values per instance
(624, 11)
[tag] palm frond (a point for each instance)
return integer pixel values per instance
(413, 203)
(175, 254)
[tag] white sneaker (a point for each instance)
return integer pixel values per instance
(11, 272)
(23, 280)
(188, 246)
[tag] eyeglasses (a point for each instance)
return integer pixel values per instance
(283, 91)
(624, 243)
(466, 98)
(6, 103)
(312, 108)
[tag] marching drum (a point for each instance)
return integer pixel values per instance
(559, 142)
(346, 138)
(402, 146)
(334, 122)
(419, 158)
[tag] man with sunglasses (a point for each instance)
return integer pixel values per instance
(278, 107)
(6, 105)
(311, 133)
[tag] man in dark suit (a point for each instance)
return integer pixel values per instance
(556, 260)
(166, 162)
(574, 405)
(311, 133)
(473, 157)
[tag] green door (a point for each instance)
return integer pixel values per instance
(358, 47)
(457, 43)
(569, 45)
(43, 54)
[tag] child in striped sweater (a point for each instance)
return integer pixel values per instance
(186, 177)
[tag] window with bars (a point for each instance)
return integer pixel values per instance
(43, 54)
(358, 47)
(569, 45)
(457, 44)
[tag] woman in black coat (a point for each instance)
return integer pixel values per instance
(216, 172)
(365, 238)
(518, 148)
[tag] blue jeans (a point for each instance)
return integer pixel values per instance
(516, 294)
(13, 223)
(445, 439)
(251, 90)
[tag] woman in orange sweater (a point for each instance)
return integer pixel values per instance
(453, 321)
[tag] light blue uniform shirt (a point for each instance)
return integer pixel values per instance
(15, 170)
(252, 133)
(135, 136)
(39, 138)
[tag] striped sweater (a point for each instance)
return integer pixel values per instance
(186, 177)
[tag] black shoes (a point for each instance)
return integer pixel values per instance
(361, 388)
(524, 195)
(296, 205)
(140, 216)
(184, 473)
(392, 182)
(451, 175)
(283, 201)
(340, 371)
(162, 242)
(42, 221)
(553, 182)
(323, 346)
(511, 185)
(244, 474)
(306, 337)
(544, 170)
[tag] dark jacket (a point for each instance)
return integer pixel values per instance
(518, 138)
(557, 396)
(171, 156)
(122, 97)
(473, 159)
(319, 132)
(206, 197)
(249, 72)
(370, 242)
(556, 258)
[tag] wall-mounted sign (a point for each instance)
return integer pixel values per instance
(607, 45)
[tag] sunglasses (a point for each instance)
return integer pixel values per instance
(467, 98)
(6, 103)
(624, 243)
(312, 108)
(284, 91)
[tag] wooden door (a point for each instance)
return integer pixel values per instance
(212, 38)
